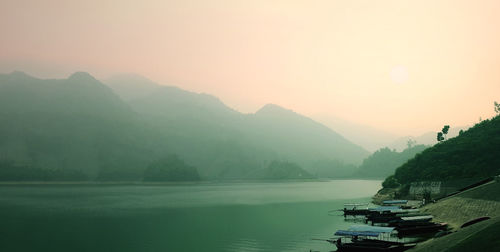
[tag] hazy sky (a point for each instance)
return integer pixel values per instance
(402, 66)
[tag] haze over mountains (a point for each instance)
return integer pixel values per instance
(374, 139)
(115, 133)
(272, 129)
(428, 138)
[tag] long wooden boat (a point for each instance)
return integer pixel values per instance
(417, 230)
(380, 215)
(366, 245)
(411, 219)
(367, 238)
(356, 209)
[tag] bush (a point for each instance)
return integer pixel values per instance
(390, 182)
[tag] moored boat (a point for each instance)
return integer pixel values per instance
(421, 229)
(355, 209)
(368, 238)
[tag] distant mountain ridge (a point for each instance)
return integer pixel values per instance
(81, 124)
(428, 138)
(76, 123)
(268, 124)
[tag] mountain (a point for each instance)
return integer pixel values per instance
(384, 161)
(273, 131)
(368, 137)
(280, 170)
(74, 124)
(80, 128)
(428, 138)
(298, 136)
(373, 139)
(125, 86)
(472, 154)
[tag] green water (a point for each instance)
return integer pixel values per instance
(274, 216)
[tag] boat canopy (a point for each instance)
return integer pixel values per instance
(374, 229)
(355, 204)
(385, 208)
(414, 218)
(364, 230)
(388, 202)
(356, 233)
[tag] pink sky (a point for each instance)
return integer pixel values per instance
(402, 66)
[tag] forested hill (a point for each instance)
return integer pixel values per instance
(70, 128)
(475, 153)
(271, 133)
(384, 161)
(78, 128)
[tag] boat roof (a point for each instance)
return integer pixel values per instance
(395, 201)
(365, 228)
(355, 233)
(385, 208)
(393, 209)
(423, 217)
(356, 204)
(360, 230)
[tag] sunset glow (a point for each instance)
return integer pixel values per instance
(320, 58)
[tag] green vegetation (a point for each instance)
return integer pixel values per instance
(472, 154)
(484, 240)
(11, 171)
(79, 125)
(441, 136)
(390, 182)
(330, 168)
(385, 161)
(281, 170)
(171, 168)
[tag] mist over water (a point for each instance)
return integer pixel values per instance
(272, 216)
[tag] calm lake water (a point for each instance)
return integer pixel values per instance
(272, 216)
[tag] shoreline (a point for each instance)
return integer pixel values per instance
(173, 182)
(458, 209)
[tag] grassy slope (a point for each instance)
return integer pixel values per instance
(467, 237)
(478, 202)
(483, 240)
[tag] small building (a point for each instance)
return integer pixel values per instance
(418, 189)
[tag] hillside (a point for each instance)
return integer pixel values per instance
(298, 136)
(75, 124)
(472, 154)
(384, 161)
(272, 133)
(456, 210)
(79, 127)
(280, 170)
(366, 136)
(428, 138)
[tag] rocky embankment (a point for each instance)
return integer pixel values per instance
(383, 194)
(458, 209)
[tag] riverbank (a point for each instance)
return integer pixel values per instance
(458, 209)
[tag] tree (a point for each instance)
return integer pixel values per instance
(445, 130)
(390, 182)
(497, 107)
(440, 136)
